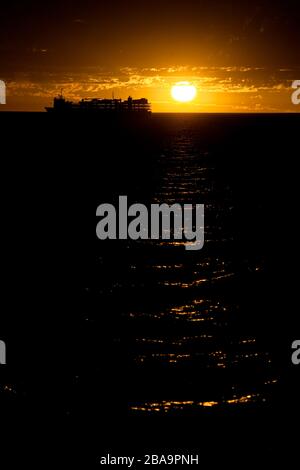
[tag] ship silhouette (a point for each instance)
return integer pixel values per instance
(137, 107)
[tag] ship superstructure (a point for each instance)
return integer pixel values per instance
(111, 106)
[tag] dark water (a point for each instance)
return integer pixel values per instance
(161, 331)
(194, 325)
(186, 321)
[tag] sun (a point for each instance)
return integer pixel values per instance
(183, 92)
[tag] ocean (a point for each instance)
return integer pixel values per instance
(162, 339)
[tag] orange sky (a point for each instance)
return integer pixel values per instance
(219, 89)
(242, 56)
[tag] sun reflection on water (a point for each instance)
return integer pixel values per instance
(165, 406)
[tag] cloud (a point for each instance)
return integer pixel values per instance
(244, 80)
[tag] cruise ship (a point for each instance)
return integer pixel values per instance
(139, 107)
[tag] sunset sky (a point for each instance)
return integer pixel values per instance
(241, 55)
